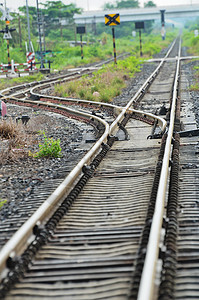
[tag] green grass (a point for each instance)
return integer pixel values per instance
(2, 202)
(190, 41)
(195, 86)
(49, 148)
(108, 82)
(65, 56)
(104, 84)
(71, 56)
(4, 83)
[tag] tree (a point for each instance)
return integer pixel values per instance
(127, 4)
(108, 6)
(122, 4)
(56, 15)
(149, 4)
(57, 9)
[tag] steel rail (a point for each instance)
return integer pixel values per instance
(172, 58)
(117, 109)
(114, 125)
(74, 72)
(46, 82)
(146, 289)
(161, 122)
(18, 242)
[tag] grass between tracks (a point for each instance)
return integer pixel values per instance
(109, 81)
(104, 84)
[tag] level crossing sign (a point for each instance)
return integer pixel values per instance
(6, 14)
(112, 19)
(7, 36)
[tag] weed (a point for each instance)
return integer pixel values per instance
(94, 88)
(71, 88)
(7, 129)
(2, 202)
(15, 140)
(194, 87)
(50, 148)
(82, 93)
(14, 133)
(104, 96)
(117, 80)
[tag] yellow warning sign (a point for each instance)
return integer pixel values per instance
(112, 19)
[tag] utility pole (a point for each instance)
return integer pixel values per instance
(19, 24)
(7, 31)
(39, 23)
(43, 29)
(163, 31)
(28, 22)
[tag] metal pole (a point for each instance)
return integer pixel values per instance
(39, 31)
(82, 55)
(43, 28)
(140, 42)
(8, 51)
(75, 34)
(28, 22)
(19, 24)
(8, 44)
(163, 24)
(114, 48)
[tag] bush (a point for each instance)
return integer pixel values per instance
(50, 148)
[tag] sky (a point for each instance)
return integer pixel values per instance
(94, 4)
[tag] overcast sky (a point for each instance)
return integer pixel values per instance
(94, 4)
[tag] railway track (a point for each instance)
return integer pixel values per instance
(115, 234)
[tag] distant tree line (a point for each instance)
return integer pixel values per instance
(127, 4)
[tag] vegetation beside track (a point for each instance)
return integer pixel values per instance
(104, 84)
(108, 82)
(49, 148)
(195, 86)
(2, 202)
(192, 43)
(102, 48)
(8, 82)
(69, 57)
(16, 138)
